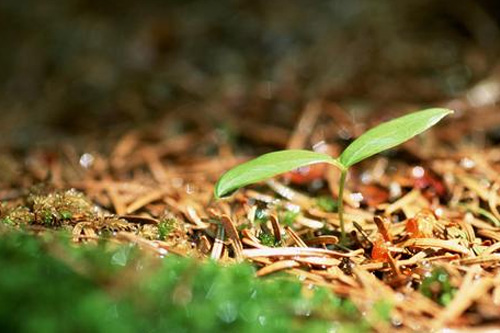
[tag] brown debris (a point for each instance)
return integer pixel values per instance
(277, 266)
(157, 191)
(232, 233)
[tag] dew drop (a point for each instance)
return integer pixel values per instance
(418, 172)
(87, 160)
(467, 163)
(320, 147)
(357, 197)
(396, 321)
(366, 178)
(426, 264)
(395, 190)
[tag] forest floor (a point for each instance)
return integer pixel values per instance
(423, 220)
(115, 133)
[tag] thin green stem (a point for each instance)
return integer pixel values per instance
(340, 204)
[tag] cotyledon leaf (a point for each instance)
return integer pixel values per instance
(390, 134)
(376, 140)
(267, 166)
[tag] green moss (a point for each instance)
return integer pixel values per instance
(85, 290)
(288, 217)
(383, 309)
(165, 227)
(47, 217)
(53, 208)
(267, 239)
(17, 215)
(7, 220)
(243, 226)
(438, 287)
(66, 215)
(327, 203)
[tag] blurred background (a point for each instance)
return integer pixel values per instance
(80, 69)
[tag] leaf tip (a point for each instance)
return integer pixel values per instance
(445, 112)
(218, 192)
(221, 191)
(449, 111)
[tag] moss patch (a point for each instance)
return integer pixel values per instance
(121, 289)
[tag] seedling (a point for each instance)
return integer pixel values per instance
(374, 141)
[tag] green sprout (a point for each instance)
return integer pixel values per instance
(382, 137)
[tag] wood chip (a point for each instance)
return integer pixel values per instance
(326, 240)
(276, 227)
(293, 236)
(305, 125)
(319, 261)
(232, 233)
(143, 201)
(277, 266)
(483, 259)
(218, 245)
(439, 243)
(297, 251)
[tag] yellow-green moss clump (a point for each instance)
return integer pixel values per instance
(53, 209)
